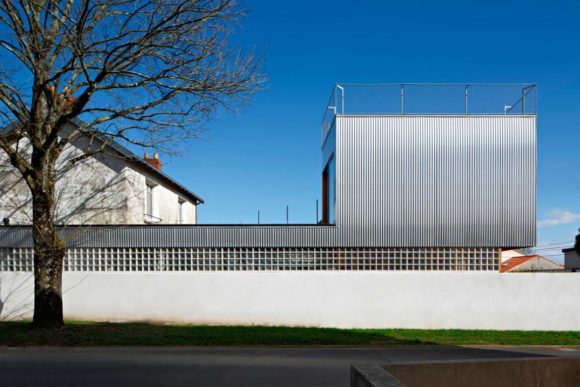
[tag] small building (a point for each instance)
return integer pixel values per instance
(112, 187)
(571, 259)
(529, 263)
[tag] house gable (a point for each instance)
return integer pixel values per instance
(106, 188)
(529, 263)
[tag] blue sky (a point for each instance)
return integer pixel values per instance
(267, 156)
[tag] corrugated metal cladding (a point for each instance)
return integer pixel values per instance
(184, 236)
(401, 181)
(437, 180)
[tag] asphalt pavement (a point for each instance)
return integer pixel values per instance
(195, 366)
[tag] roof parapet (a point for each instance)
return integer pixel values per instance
(429, 99)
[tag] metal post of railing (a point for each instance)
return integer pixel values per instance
(341, 99)
(535, 98)
(316, 211)
(523, 100)
(402, 99)
(335, 101)
(465, 99)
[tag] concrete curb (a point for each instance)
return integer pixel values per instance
(372, 375)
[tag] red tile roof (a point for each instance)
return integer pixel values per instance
(514, 262)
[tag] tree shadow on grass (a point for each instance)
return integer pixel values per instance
(143, 334)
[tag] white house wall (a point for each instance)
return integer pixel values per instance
(92, 192)
(95, 191)
(14, 194)
(536, 264)
(421, 300)
(190, 213)
(135, 182)
(100, 190)
(508, 254)
(166, 205)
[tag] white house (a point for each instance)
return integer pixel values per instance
(516, 261)
(113, 187)
(529, 263)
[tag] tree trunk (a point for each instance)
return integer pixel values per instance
(49, 253)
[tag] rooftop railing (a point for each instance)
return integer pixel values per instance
(429, 99)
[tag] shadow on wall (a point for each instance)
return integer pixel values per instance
(17, 294)
(16, 301)
(97, 190)
(91, 199)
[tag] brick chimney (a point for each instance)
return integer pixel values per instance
(155, 162)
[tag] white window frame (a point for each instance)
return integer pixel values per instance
(150, 210)
(181, 210)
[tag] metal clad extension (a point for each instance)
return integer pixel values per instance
(436, 180)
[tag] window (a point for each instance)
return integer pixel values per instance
(181, 211)
(328, 192)
(149, 199)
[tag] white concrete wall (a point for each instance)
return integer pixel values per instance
(528, 301)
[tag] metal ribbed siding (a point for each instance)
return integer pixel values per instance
(184, 236)
(402, 181)
(436, 180)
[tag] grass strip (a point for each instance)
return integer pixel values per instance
(143, 334)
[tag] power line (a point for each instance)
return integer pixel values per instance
(554, 243)
(550, 248)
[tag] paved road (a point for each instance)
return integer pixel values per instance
(101, 367)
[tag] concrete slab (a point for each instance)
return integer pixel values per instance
(547, 371)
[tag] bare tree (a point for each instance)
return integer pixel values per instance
(145, 72)
(527, 250)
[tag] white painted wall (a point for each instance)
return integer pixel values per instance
(95, 191)
(537, 264)
(527, 301)
(166, 204)
(508, 254)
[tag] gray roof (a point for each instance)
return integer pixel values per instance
(125, 154)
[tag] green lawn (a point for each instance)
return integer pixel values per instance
(117, 334)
